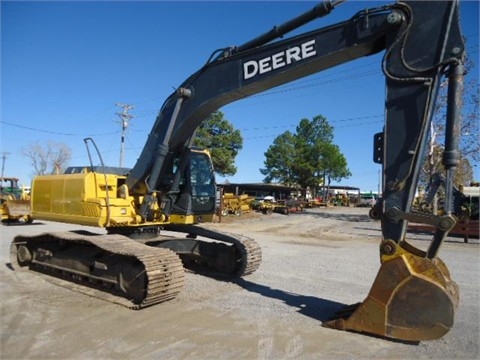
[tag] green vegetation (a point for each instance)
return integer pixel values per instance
(217, 135)
(307, 158)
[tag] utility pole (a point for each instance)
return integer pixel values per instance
(4, 157)
(124, 119)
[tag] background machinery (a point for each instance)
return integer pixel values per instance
(171, 187)
(236, 204)
(14, 201)
(465, 207)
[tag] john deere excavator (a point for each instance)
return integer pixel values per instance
(171, 187)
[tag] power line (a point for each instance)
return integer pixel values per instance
(337, 127)
(54, 132)
(292, 125)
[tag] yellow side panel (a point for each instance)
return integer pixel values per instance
(60, 194)
(190, 219)
(80, 199)
(73, 194)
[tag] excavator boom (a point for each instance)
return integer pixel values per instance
(396, 306)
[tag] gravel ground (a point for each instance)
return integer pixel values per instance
(313, 263)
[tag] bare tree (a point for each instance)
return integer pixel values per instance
(470, 129)
(60, 158)
(470, 126)
(469, 146)
(51, 158)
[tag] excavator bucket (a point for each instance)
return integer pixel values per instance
(412, 298)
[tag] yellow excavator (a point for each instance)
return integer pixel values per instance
(14, 202)
(171, 188)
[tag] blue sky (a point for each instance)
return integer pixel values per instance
(64, 66)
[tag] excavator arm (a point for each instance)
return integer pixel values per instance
(413, 297)
(412, 72)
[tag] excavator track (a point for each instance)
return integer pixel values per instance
(251, 255)
(110, 267)
(235, 255)
(204, 251)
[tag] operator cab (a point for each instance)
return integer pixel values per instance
(197, 187)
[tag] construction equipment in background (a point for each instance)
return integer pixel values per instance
(14, 201)
(236, 204)
(292, 205)
(268, 205)
(465, 208)
(468, 224)
(172, 188)
(315, 203)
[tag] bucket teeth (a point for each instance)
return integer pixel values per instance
(411, 299)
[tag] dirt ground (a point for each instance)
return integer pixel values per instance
(313, 263)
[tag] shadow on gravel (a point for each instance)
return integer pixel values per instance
(316, 308)
(20, 223)
(342, 217)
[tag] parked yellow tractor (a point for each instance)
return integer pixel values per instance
(14, 201)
